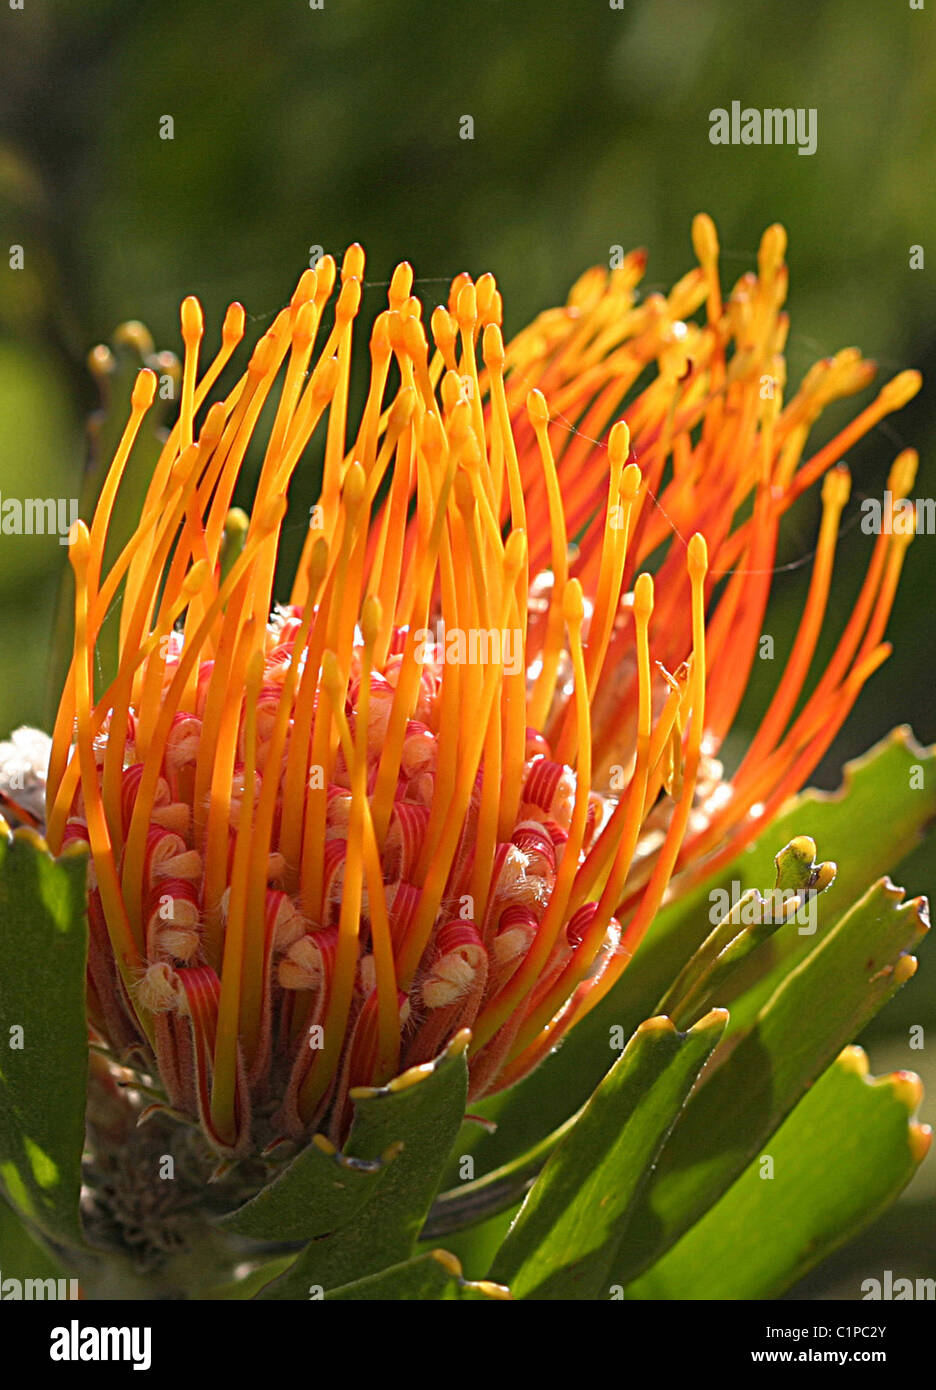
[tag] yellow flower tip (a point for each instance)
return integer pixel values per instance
(698, 556)
(349, 302)
(466, 308)
(196, 579)
(919, 1137)
(355, 485)
(261, 359)
(254, 673)
(352, 264)
(515, 554)
(772, 250)
(704, 239)
(325, 1145)
(619, 445)
(401, 284)
(903, 473)
(213, 428)
(455, 407)
(631, 480)
(135, 336)
(643, 597)
(444, 331)
(193, 321)
(303, 330)
(380, 345)
(537, 409)
(271, 515)
(371, 619)
(573, 605)
(450, 1263)
(235, 526)
(325, 380)
(234, 325)
(456, 287)
(100, 362)
(464, 493)
(402, 410)
(433, 439)
(492, 347)
(331, 676)
(415, 343)
(306, 289)
(486, 290)
(144, 390)
(836, 487)
(395, 321)
(79, 545)
(902, 389)
(317, 566)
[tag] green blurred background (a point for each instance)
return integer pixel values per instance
(296, 127)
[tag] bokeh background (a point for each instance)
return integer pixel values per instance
(296, 127)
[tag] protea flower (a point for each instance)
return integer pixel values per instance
(446, 782)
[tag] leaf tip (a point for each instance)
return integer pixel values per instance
(449, 1262)
(904, 970)
(854, 1059)
(714, 1021)
(660, 1023)
(490, 1289)
(919, 1137)
(907, 1088)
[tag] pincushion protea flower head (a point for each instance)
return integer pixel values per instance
(448, 783)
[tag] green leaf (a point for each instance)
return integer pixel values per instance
(497, 1191)
(21, 1254)
(320, 1190)
(43, 1033)
(248, 1285)
(867, 827)
(745, 927)
(840, 1158)
(735, 937)
(755, 1079)
(434, 1276)
(567, 1236)
(422, 1111)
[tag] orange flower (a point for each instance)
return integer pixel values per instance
(448, 784)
